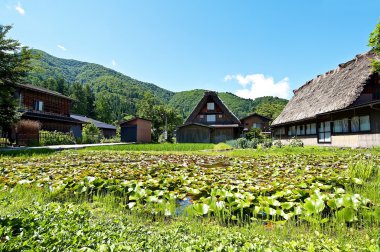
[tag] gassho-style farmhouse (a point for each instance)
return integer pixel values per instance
(338, 108)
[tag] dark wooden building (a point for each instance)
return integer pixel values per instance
(338, 108)
(107, 130)
(256, 121)
(137, 130)
(210, 122)
(50, 108)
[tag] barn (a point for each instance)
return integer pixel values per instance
(136, 130)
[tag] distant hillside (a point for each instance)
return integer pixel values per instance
(122, 92)
(99, 77)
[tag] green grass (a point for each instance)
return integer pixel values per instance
(153, 147)
(25, 152)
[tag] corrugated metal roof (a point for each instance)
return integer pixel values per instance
(98, 124)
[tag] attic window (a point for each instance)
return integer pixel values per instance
(210, 106)
(211, 118)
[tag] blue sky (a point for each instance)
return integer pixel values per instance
(250, 48)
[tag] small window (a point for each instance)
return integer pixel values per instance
(201, 116)
(365, 124)
(220, 116)
(211, 118)
(355, 124)
(38, 105)
(256, 125)
(210, 106)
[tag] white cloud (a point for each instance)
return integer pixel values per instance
(62, 47)
(19, 9)
(257, 85)
(114, 63)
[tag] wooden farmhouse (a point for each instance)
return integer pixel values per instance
(210, 122)
(338, 108)
(255, 121)
(50, 108)
(107, 130)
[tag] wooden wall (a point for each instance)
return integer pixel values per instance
(193, 134)
(52, 104)
(248, 122)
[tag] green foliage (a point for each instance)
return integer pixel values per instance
(278, 144)
(269, 106)
(254, 133)
(14, 65)
(243, 143)
(374, 42)
(295, 142)
(163, 117)
(91, 134)
(55, 138)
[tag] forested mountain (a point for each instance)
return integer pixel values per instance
(109, 96)
(99, 77)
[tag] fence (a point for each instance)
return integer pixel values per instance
(3, 139)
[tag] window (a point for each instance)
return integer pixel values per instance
(210, 106)
(341, 126)
(280, 131)
(211, 118)
(311, 129)
(38, 105)
(201, 116)
(292, 131)
(365, 124)
(256, 125)
(324, 132)
(355, 124)
(300, 130)
(220, 116)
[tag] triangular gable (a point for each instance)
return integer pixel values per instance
(203, 102)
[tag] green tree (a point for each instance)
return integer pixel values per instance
(14, 65)
(79, 105)
(163, 117)
(374, 42)
(91, 134)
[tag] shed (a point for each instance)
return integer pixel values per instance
(108, 130)
(136, 130)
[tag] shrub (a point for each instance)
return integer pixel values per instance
(267, 143)
(295, 142)
(114, 139)
(278, 144)
(254, 133)
(243, 143)
(56, 138)
(28, 127)
(91, 134)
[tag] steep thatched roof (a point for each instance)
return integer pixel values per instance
(218, 101)
(334, 90)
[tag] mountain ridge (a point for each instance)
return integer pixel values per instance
(106, 81)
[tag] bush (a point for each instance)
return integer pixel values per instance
(91, 134)
(254, 133)
(56, 138)
(278, 144)
(28, 127)
(243, 143)
(114, 139)
(267, 144)
(295, 142)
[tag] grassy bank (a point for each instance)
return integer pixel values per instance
(153, 147)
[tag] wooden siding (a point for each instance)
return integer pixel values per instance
(144, 129)
(193, 134)
(51, 104)
(248, 122)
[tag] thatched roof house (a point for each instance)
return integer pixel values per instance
(210, 121)
(342, 96)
